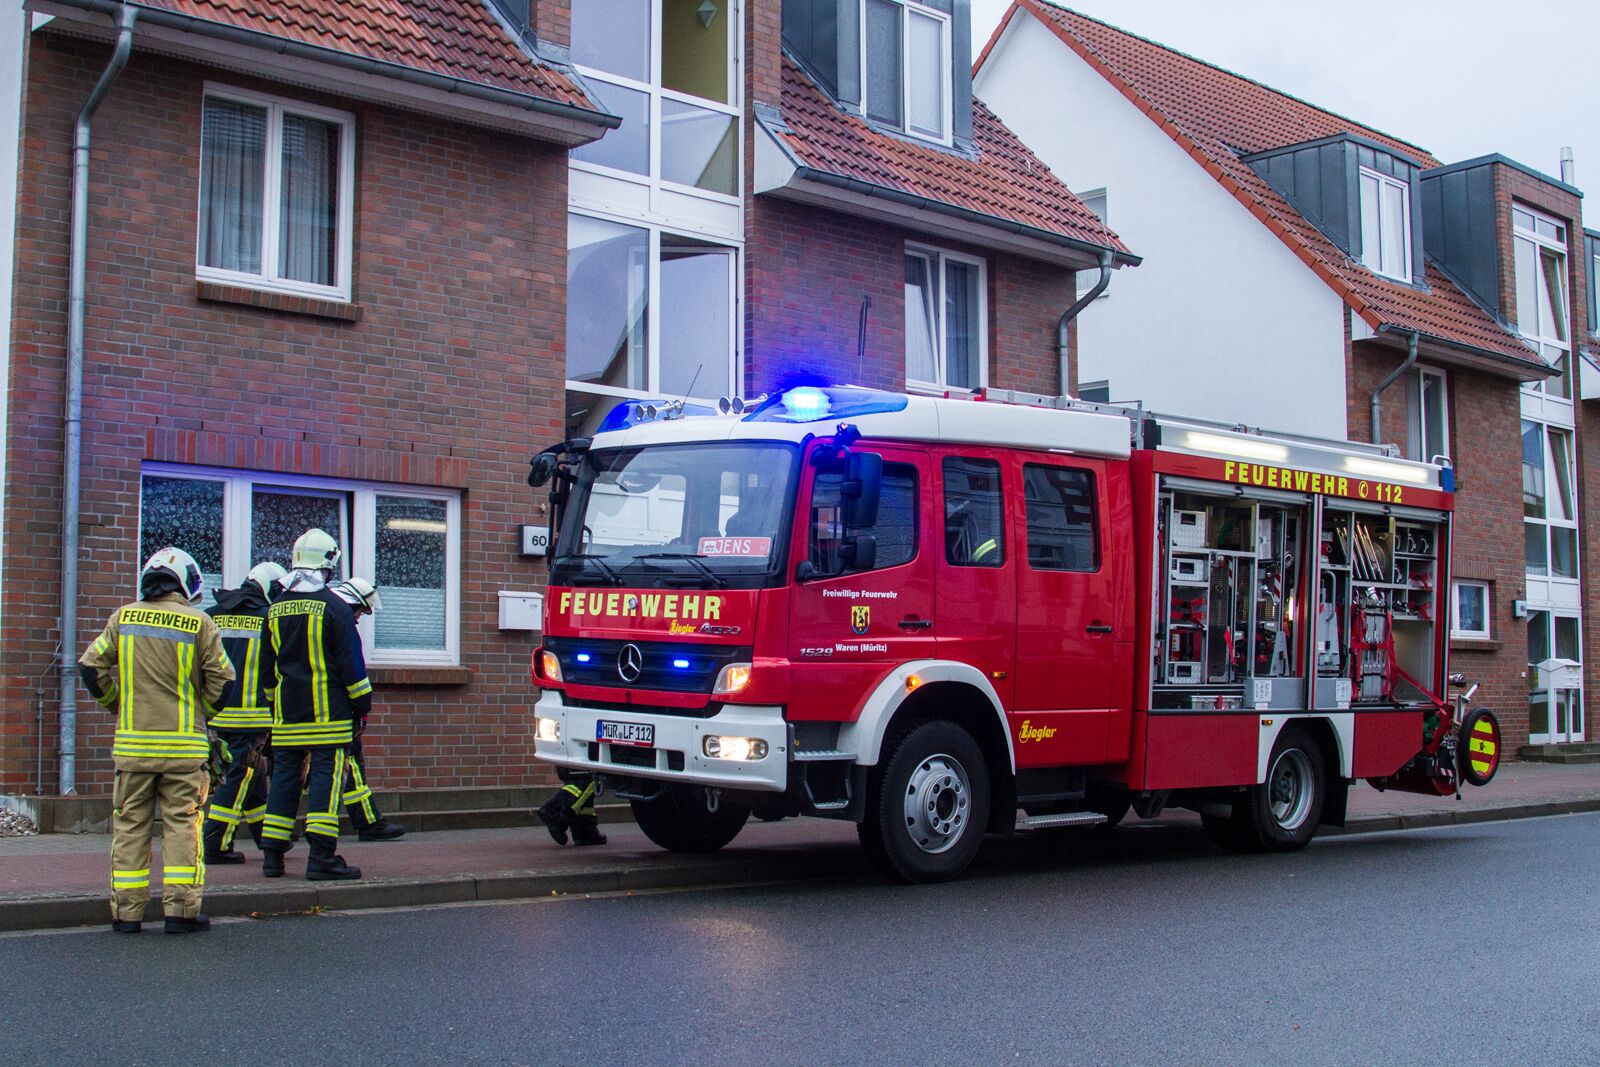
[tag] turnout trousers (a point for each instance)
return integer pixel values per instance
(181, 794)
(324, 772)
(242, 796)
(364, 814)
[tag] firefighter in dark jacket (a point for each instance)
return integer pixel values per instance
(244, 714)
(159, 665)
(363, 598)
(309, 659)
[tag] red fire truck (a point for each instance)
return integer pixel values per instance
(940, 618)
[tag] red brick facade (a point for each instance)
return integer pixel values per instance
(447, 376)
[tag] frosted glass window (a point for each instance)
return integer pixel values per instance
(184, 513)
(411, 572)
(278, 518)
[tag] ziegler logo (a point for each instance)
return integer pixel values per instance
(1030, 732)
(860, 618)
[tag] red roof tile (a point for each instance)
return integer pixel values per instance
(1217, 116)
(455, 38)
(1000, 179)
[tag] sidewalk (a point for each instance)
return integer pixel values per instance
(60, 879)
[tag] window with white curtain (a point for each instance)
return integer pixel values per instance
(1427, 416)
(406, 539)
(1542, 305)
(907, 77)
(947, 318)
(277, 191)
(1386, 225)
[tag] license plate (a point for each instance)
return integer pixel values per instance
(642, 734)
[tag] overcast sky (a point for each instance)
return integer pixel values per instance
(1460, 78)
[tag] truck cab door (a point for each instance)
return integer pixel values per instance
(1074, 649)
(978, 565)
(849, 626)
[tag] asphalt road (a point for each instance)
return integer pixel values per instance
(1463, 945)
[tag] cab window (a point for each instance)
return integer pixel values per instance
(974, 530)
(1061, 518)
(895, 530)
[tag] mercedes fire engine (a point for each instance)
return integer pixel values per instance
(940, 618)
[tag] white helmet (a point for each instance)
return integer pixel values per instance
(315, 550)
(358, 592)
(180, 566)
(267, 576)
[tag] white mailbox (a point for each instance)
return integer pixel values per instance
(1560, 674)
(521, 611)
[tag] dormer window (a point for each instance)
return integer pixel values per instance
(906, 71)
(1385, 225)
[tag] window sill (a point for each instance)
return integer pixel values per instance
(1474, 644)
(419, 676)
(219, 293)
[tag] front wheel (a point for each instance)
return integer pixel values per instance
(927, 805)
(687, 818)
(1282, 813)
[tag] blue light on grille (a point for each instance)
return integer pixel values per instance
(583, 657)
(681, 664)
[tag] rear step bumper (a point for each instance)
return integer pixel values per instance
(1069, 818)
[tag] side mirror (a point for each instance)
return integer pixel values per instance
(860, 553)
(862, 488)
(541, 469)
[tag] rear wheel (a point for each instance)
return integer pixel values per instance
(1282, 813)
(685, 818)
(927, 805)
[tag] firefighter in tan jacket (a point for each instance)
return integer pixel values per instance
(160, 665)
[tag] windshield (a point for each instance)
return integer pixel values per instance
(696, 515)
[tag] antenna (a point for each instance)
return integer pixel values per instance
(687, 393)
(861, 335)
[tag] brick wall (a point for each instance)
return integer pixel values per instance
(1486, 445)
(450, 372)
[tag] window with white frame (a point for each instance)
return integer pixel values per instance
(277, 194)
(907, 76)
(1554, 714)
(648, 313)
(1542, 304)
(668, 68)
(947, 320)
(1386, 225)
(1469, 613)
(406, 539)
(1549, 504)
(1427, 415)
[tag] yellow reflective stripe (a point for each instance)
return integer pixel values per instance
(277, 650)
(319, 668)
(250, 683)
(101, 644)
(186, 690)
(125, 678)
(105, 700)
(360, 689)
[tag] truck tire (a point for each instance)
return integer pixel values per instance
(682, 819)
(927, 805)
(1282, 813)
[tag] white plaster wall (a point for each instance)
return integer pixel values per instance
(1221, 320)
(13, 35)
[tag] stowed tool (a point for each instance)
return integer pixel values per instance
(1458, 746)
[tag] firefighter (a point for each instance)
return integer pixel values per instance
(244, 716)
(572, 808)
(363, 598)
(160, 663)
(308, 659)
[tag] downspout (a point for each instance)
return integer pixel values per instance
(1072, 312)
(1377, 402)
(72, 446)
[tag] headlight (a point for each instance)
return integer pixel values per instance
(736, 748)
(548, 729)
(549, 666)
(732, 679)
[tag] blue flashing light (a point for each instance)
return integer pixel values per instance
(629, 412)
(681, 664)
(584, 657)
(808, 403)
(1447, 479)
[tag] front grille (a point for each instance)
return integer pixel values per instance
(659, 663)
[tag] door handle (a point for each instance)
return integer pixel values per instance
(1097, 628)
(911, 622)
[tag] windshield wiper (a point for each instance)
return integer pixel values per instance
(599, 565)
(716, 580)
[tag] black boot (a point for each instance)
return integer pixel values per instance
(126, 926)
(196, 924)
(223, 858)
(325, 865)
(272, 862)
(586, 830)
(382, 830)
(556, 814)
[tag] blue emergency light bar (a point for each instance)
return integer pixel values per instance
(637, 412)
(809, 403)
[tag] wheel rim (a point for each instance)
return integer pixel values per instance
(938, 803)
(1290, 788)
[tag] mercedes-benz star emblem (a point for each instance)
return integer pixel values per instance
(630, 663)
